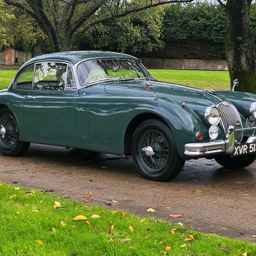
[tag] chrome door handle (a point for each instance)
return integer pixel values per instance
(29, 97)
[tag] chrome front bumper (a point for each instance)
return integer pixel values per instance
(215, 147)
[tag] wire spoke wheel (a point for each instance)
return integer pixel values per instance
(160, 147)
(9, 125)
(10, 145)
(154, 151)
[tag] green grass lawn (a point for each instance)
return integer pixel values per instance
(36, 223)
(6, 77)
(195, 78)
(200, 79)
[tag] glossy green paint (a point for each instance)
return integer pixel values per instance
(103, 116)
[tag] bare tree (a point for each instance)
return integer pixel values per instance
(64, 21)
(240, 49)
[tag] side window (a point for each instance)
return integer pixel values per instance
(50, 76)
(25, 78)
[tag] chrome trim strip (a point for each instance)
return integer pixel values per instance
(246, 129)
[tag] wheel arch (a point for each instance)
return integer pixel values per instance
(134, 123)
(3, 106)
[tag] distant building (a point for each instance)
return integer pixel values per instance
(12, 57)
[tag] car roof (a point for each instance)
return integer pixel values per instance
(76, 56)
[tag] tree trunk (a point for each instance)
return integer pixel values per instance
(240, 45)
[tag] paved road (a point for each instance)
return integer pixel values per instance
(209, 198)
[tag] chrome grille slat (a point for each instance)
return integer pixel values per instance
(230, 116)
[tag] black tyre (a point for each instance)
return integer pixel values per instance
(154, 151)
(10, 145)
(236, 162)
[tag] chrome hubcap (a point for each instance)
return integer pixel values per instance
(148, 151)
(2, 131)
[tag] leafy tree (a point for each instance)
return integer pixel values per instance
(19, 30)
(64, 22)
(240, 48)
(6, 18)
(134, 33)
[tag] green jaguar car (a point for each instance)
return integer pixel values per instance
(108, 102)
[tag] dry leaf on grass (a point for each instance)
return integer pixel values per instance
(80, 217)
(95, 216)
(131, 228)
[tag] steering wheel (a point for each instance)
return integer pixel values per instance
(95, 77)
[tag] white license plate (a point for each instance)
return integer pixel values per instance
(244, 149)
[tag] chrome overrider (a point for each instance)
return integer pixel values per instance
(226, 146)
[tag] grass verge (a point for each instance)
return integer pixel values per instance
(37, 223)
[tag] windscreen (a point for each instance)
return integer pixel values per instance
(92, 71)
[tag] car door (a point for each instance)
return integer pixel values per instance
(49, 113)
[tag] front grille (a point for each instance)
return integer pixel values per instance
(230, 116)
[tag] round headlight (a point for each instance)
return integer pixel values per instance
(213, 132)
(253, 109)
(212, 115)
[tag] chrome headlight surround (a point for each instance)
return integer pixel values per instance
(212, 116)
(253, 109)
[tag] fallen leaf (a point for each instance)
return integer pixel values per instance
(172, 231)
(110, 240)
(123, 213)
(245, 254)
(190, 238)
(30, 193)
(80, 217)
(17, 188)
(54, 230)
(57, 204)
(198, 191)
(150, 210)
(142, 220)
(183, 246)
(111, 228)
(86, 201)
(63, 224)
(95, 216)
(114, 201)
(167, 248)
(131, 228)
(179, 224)
(90, 193)
(39, 242)
(175, 216)
(161, 242)
(88, 223)
(1, 184)
(165, 253)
